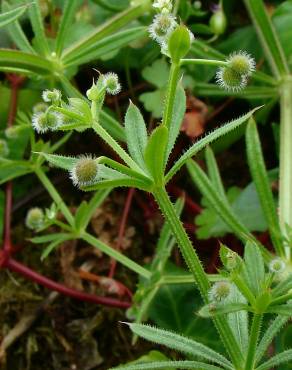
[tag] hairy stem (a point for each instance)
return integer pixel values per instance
(285, 190)
(197, 270)
(253, 340)
(170, 94)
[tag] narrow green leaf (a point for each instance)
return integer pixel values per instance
(36, 21)
(284, 310)
(54, 245)
(136, 134)
(219, 204)
(47, 238)
(111, 252)
(10, 170)
(95, 203)
(260, 177)
(107, 28)
(283, 287)
(155, 152)
(226, 308)
(70, 8)
(106, 46)
(26, 62)
(213, 172)
(179, 110)
(269, 335)
(166, 365)
(60, 161)
(11, 15)
(238, 321)
(281, 358)
(268, 37)
(81, 214)
(179, 343)
(254, 268)
(249, 93)
(199, 145)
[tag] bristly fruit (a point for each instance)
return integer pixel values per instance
(220, 291)
(111, 83)
(51, 96)
(84, 172)
(229, 79)
(277, 266)
(162, 26)
(45, 121)
(35, 218)
(242, 63)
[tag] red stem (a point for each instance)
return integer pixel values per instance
(122, 227)
(15, 266)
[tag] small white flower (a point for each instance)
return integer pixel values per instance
(111, 83)
(164, 6)
(43, 122)
(51, 96)
(162, 26)
(277, 265)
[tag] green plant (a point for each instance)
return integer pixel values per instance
(247, 286)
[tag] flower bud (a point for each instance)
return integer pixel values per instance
(179, 43)
(40, 107)
(220, 291)
(43, 122)
(93, 93)
(111, 83)
(218, 22)
(13, 132)
(35, 218)
(84, 172)
(52, 96)
(4, 149)
(163, 6)
(229, 79)
(277, 266)
(242, 63)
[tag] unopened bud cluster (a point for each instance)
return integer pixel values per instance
(35, 218)
(235, 75)
(108, 82)
(45, 119)
(164, 23)
(220, 291)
